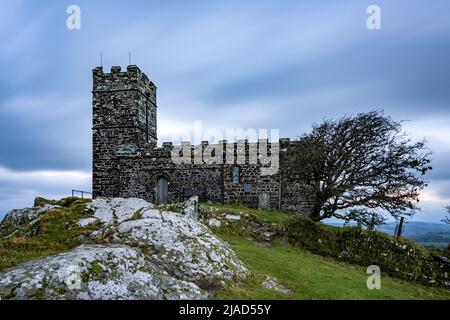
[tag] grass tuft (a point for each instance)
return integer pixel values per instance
(312, 277)
(56, 231)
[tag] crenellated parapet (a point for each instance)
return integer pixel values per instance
(241, 152)
(116, 80)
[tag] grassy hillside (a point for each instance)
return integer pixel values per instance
(313, 277)
(54, 233)
(309, 276)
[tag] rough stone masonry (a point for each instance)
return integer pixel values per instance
(128, 163)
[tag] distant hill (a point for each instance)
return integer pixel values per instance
(428, 234)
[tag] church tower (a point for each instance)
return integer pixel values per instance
(124, 122)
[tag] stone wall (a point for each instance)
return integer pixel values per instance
(127, 163)
(124, 120)
(138, 174)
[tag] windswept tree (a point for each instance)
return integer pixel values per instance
(368, 218)
(447, 218)
(361, 167)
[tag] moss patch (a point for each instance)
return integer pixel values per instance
(271, 216)
(55, 232)
(96, 272)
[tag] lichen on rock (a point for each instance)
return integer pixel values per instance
(272, 283)
(131, 251)
(117, 210)
(181, 244)
(125, 273)
(17, 218)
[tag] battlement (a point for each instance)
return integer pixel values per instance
(124, 110)
(204, 144)
(116, 80)
(262, 146)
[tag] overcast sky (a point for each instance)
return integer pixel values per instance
(230, 64)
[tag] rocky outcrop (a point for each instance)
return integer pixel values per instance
(136, 252)
(190, 208)
(17, 218)
(95, 272)
(272, 284)
(240, 222)
(184, 246)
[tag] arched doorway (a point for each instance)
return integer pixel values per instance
(162, 190)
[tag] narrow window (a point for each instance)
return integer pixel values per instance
(236, 175)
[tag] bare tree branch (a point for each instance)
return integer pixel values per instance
(363, 162)
(447, 218)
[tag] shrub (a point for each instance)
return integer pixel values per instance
(397, 257)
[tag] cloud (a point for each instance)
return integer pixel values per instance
(19, 188)
(46, 178)
(432, 194)
(45, 132)
(229, 64)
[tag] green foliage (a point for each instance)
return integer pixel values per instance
(64, 202)
(397, 257)
(97, 272)
(309, 276)
(359, 167)
(312, 277)
(137, 215)
(253, 223)
(169, 207)
(55, 232)
(273, 216)
(40, 202)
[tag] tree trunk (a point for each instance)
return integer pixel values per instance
(315, 212)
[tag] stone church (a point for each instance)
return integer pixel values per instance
(128, 163)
